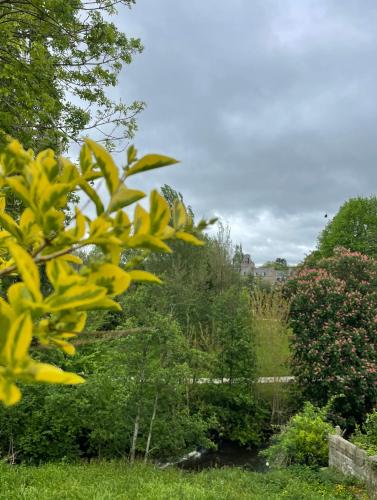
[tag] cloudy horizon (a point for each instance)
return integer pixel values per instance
(269, 106)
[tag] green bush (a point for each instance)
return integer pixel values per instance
(365, 436)
(138, 381)
(232, 412)
(303, 441)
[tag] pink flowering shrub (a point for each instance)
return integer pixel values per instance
(334, 343)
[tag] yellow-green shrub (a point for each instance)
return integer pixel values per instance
(39, 235)
(303, 440)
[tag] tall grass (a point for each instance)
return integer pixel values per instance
(270, 312)
(115, 481)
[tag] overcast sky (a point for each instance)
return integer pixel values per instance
(270, 106)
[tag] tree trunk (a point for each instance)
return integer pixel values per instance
(135, 434)
(151, 428)
(139, 404)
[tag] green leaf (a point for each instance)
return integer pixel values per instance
(131, 154)
(149, 162)
(124, 197)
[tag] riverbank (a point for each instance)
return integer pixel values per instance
(117, 480)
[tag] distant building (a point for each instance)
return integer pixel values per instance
(247, 266)
(272, 276)
(266, 274)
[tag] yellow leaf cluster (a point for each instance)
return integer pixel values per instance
(40, 236)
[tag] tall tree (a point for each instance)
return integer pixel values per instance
(57, 58)
(334, 342)
(280, 264)
(172, 196)
(354, 227)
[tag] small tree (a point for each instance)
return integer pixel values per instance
(231, 406)
(40, 236)
(334, 318)
(234, 337)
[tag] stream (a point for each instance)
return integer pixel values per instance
(228, 454)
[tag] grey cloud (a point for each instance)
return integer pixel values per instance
(270, 105)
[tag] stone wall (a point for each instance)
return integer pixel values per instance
(351, 460)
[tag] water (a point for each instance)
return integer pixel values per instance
(228, 454)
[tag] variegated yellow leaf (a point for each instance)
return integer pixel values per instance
(123, 197)
(189, 238)
(149, 242)
(111, 277)
(106, 164)
(179, 215)
(159, 213)
(149, 162)
(43, 372)
(27, 268)
(10, 394)
(141, 221)
(137, 275)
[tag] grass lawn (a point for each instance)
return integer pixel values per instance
(115, 480)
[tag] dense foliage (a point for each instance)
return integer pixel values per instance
(354, 227)
(204, 294)
(302, 441)
(39, 236)
(365, 436)
(134, 402)
(57, 59)
(207, 297)
(333, 316)
(145, 366)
